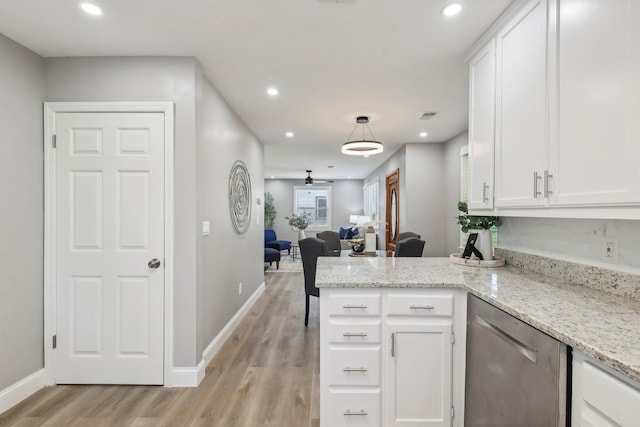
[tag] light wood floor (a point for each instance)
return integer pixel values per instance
(266, 374)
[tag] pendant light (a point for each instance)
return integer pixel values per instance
(363, 147)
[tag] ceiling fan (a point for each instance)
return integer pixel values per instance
(308, 181)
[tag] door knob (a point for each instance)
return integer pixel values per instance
(154, 263)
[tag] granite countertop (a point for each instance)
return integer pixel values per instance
(601, 325)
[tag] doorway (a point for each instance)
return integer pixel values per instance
(107, 238)
(392, 191)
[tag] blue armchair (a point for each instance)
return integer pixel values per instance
(271, 241)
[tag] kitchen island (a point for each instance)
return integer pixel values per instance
(603, 326)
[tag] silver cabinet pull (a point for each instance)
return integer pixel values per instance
(360, 412)
(547, 175)
(485, 187)
(421, 307)
(536, 177)
(360, 369)
(360, 306)
(154, 263)
(354, 334)
(393, 344)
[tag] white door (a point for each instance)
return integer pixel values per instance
(109, 226)
(420, 375)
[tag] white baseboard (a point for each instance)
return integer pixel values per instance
(19, 391)
(193, 376)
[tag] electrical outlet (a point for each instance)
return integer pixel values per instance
(610, 250)
(240, 289)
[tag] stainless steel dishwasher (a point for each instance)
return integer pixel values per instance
(516, 375)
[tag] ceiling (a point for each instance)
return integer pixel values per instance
(331, 60)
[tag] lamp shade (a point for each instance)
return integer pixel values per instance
(353, 219)
(363, 219)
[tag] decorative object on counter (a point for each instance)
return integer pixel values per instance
(299, 222)
(240, 197)
(357, 245)
(370, 240)
(269, 211)
(480, 225)
(363, 254)
(495, 262)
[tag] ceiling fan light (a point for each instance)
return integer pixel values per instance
(362, 148)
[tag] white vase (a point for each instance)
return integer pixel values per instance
(301, 235)
(484, 244)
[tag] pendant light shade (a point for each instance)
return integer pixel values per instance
(362, 147)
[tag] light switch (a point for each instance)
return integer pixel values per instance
(205, 228)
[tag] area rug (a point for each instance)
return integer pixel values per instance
(287, 265)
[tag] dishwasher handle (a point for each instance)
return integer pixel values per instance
(522, 348)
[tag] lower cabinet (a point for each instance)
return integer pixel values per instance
(602, 397)
(389, 357)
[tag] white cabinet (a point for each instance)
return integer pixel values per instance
(481, 128)
(392, 361)
(601, 397)
(419, 362)
(522, 108)
(595, 151)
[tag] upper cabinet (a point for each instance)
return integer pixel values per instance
(482, 77)
(595, 148)
(567, 97)
(522, 108)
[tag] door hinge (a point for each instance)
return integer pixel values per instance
(53, 141)
(453, 338)
(55, 341)
(453, 412)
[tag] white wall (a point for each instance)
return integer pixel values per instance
(577, 240)
(452, 186)
(21, 216)
(346, 199)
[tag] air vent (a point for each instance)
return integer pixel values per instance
(427, 115)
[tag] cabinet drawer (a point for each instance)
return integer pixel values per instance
(420, 305)
(354, 333)
(353, 367)
(352, 409)
(354, 305)
(610, 396)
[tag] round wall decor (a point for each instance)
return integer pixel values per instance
(240, 197)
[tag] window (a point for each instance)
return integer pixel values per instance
(371, 199)
(315, 202)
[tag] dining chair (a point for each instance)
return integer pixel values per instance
(310, 249)
(410, 247)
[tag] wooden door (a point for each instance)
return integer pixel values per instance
(110, 248)
(392, 189)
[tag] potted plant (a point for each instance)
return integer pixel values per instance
(481, 225)
(269, 212)
(300, 222)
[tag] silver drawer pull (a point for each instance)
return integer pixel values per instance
(361, 306)
(421, 307)
(361, 369)
(361, 412)
(354, 334)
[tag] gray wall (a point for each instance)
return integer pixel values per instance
(225, 258)
(21, 218)
(346, 199)
(208, 138)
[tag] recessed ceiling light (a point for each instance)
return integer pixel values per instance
(423, 134)
(91, 8)
(273, 177)
(348, 177)
(452, 9)
(272, 91)
(289, 134)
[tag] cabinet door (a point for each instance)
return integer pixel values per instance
(419, 375)
(481, 128)
(597, 151)
(521, 108)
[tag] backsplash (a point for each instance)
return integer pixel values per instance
(611, 281)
